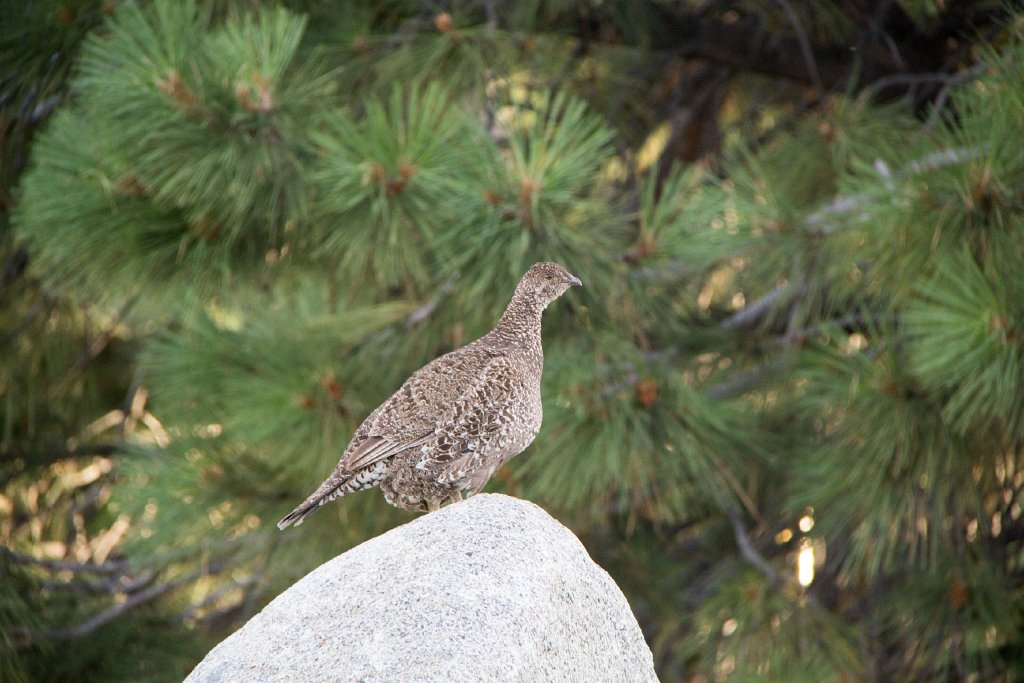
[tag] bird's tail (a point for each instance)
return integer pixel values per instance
(333, 488)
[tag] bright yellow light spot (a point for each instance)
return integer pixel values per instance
(223, 318)
(806, 523)
(856, 342)
(704, 298)
(727, 666)
(52, 549)
(112, 419)
(731, 216)
(615, 170)
(209, 431)
(160, 435)
(653, 146)
(729, 627)
(784, 536)
(805, 563)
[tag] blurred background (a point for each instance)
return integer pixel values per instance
(786, 411)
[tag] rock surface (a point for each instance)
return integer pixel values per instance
(490, 589)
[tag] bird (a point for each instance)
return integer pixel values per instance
(456, 420)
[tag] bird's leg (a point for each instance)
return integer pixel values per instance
(433, 505)
(454, 497)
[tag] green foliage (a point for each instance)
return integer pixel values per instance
(760, 642)
(19, 608)
(264, 376)
(639, 436)
(214, 122)
(966, 344)
(188, 145)
(393, 182)
(540, 200)
(897, 449)
(38, 43)
(966, 598)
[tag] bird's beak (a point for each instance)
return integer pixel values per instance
(574, 281)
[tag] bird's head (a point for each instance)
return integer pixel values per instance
(545, 282)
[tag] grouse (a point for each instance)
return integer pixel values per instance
(457, 419)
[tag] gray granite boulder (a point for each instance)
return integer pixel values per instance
(490, 589)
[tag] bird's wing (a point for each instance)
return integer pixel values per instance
(472, 430)
(376, 448)
(409, 418)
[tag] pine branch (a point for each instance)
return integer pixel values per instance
(43, 303)
(751, 315)
(427, 309)
(689, 121)
(46, 107)
(823, 221)
(114, 586)
(947, 80)
(37, 459)
(744, 43)
(747, 549)
(214, 596)
(14, 266)
(82, 629)
(805, 45)
(743, 382)
(66, 565)
(94, 349)
(758, 561)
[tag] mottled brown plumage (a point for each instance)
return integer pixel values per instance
(457, 419)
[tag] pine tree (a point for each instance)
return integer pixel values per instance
(785, 411)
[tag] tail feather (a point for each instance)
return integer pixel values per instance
(336, 486)
(328, 491)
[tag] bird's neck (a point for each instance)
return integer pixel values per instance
(520, 323)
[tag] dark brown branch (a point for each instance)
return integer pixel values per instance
(65, 565)
(106, 616)
(752, 314)
(743, 382)
(805, 45)
(819, 222)
(98, 344)
(427, 309)
(36, 459)
(28, 638)
(945, 79)
(744, 43)
(747, 549)
(14, 267)
(112, 586)
(694, 113)
(216, 595)
(43, 303)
